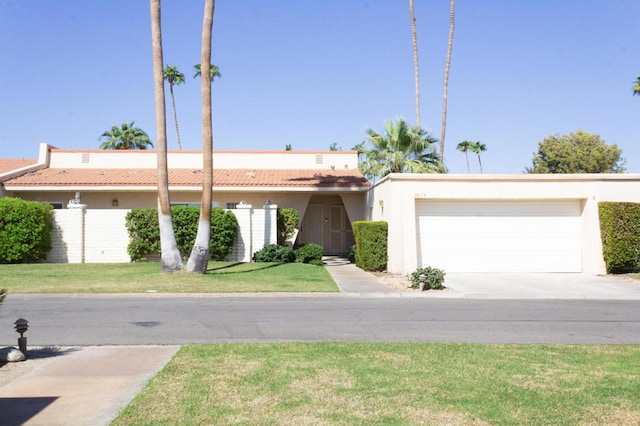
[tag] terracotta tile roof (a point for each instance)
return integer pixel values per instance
(343, 178)
(7, 165)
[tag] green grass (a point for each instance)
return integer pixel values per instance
(221, 277)
(392, 384)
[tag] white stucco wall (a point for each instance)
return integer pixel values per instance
(393, 199)
(106, 236)
(82, 235)
(256, 228)
(114, 159)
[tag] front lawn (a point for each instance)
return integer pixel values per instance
(392, 383)
(221, 277)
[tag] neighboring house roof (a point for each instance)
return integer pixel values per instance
(59, 169)
(7, 165)
(342, 178)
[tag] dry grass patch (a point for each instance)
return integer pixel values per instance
(397, 384)
(598, 415)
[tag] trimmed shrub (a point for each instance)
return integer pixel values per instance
(620, 232)
(224, 228)
(434, 278)
(25, 230)
(144, 231)
(185, 226)
(308, 253)
(287, 222)
(274, 253)
(371, 245)
(352, 254)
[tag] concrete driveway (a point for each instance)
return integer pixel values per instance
(542, 286)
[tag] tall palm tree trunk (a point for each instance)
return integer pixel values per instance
(170, 258)
(480, 161)
(466, 156)
(199, 257)
(415, 60)
(446, 78)
(175, 116)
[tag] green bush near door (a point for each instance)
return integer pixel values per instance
(371, 245)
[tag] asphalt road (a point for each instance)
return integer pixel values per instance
(61, 320)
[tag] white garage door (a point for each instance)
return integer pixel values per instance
(496, 236)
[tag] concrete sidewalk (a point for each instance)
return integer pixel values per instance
(353, 281)
(557, 286)
(80, 386)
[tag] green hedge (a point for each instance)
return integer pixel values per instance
(371, 245)
(144, 231)
(25, 230)
(620, 232)
(287, 222)
(309, 253)
(274, 253)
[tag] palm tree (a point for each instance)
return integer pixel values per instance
(465, 146)
(173, 76)
(127, 136)
(452, 23)
(199, 257)
(403, 149)
(478, 148)
(415, 60)
(170, 259)
(214, 71)
(636, 87)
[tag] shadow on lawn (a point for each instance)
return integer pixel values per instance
(260, 268)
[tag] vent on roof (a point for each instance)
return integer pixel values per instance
(319, 159)
(85, 157)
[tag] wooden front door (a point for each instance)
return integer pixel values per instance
(313, 225)
(340, 233)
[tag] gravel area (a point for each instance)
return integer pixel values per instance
(36, 357)
(401, 283)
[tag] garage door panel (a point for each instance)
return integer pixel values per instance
(506, 208)
(500, 236)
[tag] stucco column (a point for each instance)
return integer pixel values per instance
(244, 244)
(409, 231)
(270, 223)
(592, 256)
(74, 235)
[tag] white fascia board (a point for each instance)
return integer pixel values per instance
(525, 177)
(121, 188)
(287, 189)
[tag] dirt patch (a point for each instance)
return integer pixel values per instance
(630, 278)
(402, 283)
(36, 357)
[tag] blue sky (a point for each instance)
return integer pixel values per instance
(313, 73)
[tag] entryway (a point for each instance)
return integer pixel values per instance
(327, 223)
